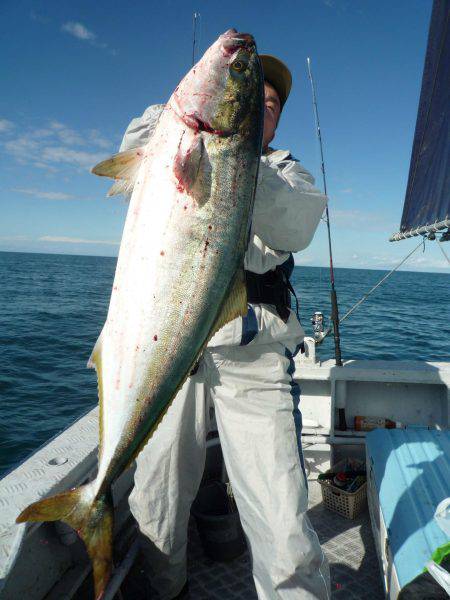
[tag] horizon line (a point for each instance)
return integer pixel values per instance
(302, 266)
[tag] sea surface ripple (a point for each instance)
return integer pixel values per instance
(52, 309)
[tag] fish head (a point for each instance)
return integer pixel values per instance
(223, 93)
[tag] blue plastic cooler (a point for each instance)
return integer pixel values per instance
(408, 475)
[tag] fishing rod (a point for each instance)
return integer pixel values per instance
(334, 303)
(333, 295)
(195, 16)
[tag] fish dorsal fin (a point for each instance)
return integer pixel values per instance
(235, 305)
(122, 166)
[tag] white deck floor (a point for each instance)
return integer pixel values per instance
(348, 544)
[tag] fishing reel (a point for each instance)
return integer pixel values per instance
(318, 323)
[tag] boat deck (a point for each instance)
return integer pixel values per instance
(348, 544)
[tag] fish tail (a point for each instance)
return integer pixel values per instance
(92, 519)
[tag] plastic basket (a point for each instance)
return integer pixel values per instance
(347, 504)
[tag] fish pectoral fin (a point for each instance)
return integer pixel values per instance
(236, 303)
(122, 186)
(192, 170)
(92, 519)
(123, 167)
(119, 165)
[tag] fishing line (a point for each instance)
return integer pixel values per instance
(443, 251)
(365, 296)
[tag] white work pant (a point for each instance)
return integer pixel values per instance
(256, 409)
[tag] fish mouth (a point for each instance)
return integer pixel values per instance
(194, 122)
(232, 41)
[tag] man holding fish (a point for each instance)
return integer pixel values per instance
(247, 374)
(188, 327)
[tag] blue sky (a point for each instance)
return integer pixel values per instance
(75, 73)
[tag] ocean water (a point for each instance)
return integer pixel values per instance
(52, 308)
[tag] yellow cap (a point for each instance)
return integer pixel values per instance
(278, 75)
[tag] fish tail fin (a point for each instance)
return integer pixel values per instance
(92, 519)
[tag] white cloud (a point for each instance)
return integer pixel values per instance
(44, 195)
(56, 144)
(14, 238)
(6, 125)
(78, 30)
(75, 240)
(302, 259)
(81, 32)
(76, 158)
(346, 191)
(71, 137)
(56, 125)
(67, 135)
(22, 148)
(424, 263)
(96, 138)
(389, 261)
(40, 133)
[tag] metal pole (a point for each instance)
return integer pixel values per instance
(333, 295)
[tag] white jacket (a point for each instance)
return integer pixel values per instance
(286, 214)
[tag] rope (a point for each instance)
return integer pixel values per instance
(365, 296)
(443, 251)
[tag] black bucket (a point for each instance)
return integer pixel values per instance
(218, 523)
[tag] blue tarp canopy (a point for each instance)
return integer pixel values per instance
(427, 200)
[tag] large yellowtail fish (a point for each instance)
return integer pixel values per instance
(179, 275)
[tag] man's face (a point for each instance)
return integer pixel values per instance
(272, 111)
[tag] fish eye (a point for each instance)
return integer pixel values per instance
(238, 66)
